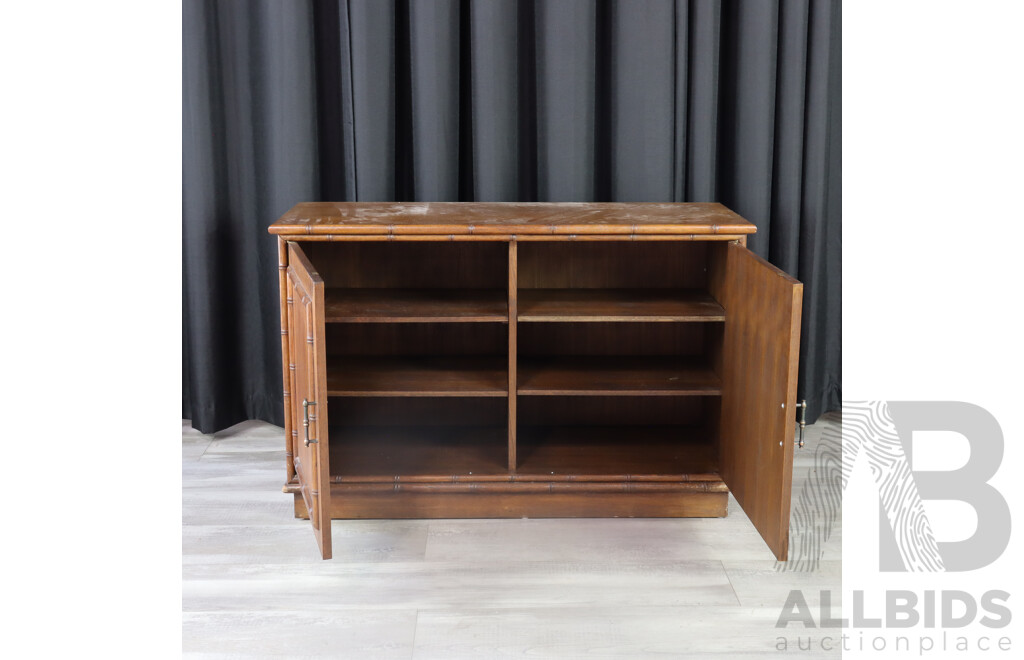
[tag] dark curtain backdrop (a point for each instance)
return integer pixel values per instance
(495, 100)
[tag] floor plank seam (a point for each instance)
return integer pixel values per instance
(415, 629)
(732, 586)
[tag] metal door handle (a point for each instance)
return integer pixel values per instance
(305, 419)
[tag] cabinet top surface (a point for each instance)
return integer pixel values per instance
(509, 218)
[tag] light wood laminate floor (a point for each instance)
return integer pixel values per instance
(254, 585)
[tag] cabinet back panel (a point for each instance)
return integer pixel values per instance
(430, 265)
(417, 339)
(616, 410)
(679, 339)
(404, 411)
(612, 264)
(431, 452)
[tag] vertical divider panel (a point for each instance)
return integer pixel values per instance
(289, 451)
(513, 313)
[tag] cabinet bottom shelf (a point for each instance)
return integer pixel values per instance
(454, 453)
(449, 471)
(625, 453)
(439, 452)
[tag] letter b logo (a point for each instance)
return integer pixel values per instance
(967, 484)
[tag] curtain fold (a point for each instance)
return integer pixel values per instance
(495, 100)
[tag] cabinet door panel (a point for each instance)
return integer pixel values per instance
(307, 361)
(758, 368)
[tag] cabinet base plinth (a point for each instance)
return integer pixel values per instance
(662, 503)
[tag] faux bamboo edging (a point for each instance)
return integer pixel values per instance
(526, 478)
(420, 238)
(513, 359)
(282, 268)
(530, 487)
(537, 487)
(507, 229)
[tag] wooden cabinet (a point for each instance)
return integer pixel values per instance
(465, 360)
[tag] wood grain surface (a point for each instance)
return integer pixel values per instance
(759, 376)
(429, 451)
(617, 305)
(379, 376)
(615, 375)
(415, 305)
(395, 218)
(308, 366)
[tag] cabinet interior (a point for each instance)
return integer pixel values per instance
(614, 351)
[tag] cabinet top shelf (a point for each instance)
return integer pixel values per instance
(509, 218)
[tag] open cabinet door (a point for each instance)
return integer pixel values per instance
(759, 356)
(307, 361)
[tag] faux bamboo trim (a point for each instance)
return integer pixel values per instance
(513, 349)
(282, 271)
(634, 237)
(535, 487)
(527, 478)
(506, 230)
(510, 237)
(534, 484)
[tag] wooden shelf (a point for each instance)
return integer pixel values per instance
(615, 376)
(633, 452)
(415, 305)
(375, 453)
(600, 305)
(417, 376)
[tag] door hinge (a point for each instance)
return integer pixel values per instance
(305, 419)
(803, 422)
